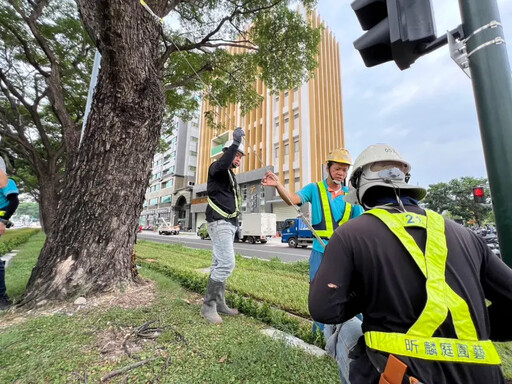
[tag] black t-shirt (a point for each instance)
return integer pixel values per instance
(377, 277)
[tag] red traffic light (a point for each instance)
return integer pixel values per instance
(479, 195)
(478, 192)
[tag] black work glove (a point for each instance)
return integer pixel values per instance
(237, 135)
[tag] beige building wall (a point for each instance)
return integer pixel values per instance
(293, 130)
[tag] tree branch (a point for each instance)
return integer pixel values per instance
(189, 79)
(30, 108)
(54, 82)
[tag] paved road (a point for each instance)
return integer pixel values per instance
(274, 248)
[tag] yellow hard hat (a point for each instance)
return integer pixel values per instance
(340, 155)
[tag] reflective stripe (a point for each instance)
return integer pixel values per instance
(346, 214)
(441, 298)
(219, 210)
(434, 348)
(326, 227)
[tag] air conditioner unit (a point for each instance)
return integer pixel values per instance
(190, 183)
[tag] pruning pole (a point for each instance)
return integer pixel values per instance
(301, 215)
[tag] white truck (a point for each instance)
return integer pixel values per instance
(258, 227)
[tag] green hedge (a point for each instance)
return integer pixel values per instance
(12, 238)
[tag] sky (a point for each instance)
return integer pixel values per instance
(427, 112)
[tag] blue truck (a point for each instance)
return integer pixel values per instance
(296, 233)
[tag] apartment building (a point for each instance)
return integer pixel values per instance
(169, 193)
(290, 133)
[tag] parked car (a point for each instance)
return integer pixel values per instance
(202, 231)
(166, 229)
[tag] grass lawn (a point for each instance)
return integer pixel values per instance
(84, 346)
(108, 334)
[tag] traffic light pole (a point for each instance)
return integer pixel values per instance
(492, 87)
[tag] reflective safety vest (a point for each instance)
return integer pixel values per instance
(326, 227)
(237, 196)
(419, 342)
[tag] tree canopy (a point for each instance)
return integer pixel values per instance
(456, 196)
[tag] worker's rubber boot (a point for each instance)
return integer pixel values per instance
(221, 303)
(209, 307)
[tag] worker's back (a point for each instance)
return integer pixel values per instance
(390, 292)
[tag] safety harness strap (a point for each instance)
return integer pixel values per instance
(441, 298)
(326, 228)
(434, 348)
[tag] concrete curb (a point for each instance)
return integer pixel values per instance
(294, 341)
(8, 257)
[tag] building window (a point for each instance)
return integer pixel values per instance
(194, 139)
(286, 152)
(286, 122)
(295, 94)
(276, 124)
(172, 169)
(169, 183)
(276, 152)
(173, 154)
(276, 101)
(153, 201)
(296, 119)
(192, 169)
(296, 147)
(166, 199)
(193, 153)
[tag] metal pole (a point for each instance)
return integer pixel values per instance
(492, 87)
(92, 86)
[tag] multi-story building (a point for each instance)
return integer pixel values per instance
(169, 193)
(291, 133)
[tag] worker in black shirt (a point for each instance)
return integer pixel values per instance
(420, 281)
(221, 214)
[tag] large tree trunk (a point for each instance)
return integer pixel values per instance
(89, 247)
(49, 200)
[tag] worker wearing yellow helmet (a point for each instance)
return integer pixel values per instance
(328, 209)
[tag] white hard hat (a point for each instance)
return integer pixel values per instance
(364, 177)
(379, 152)
(229, 143)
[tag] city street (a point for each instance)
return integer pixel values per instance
(274, 248)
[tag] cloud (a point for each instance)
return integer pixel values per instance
(427, 111)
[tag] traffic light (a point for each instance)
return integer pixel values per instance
(396, 30)
(479, 195)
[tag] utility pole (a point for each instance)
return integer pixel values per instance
(492, 87)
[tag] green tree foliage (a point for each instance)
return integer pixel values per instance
(45, 61)
(29, 209)
(456, 196)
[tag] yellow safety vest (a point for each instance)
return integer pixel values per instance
(219, 210)
(326, 227)
(419, 342)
